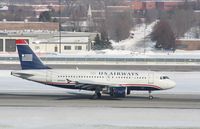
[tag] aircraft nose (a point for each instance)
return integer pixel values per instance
(171, 84)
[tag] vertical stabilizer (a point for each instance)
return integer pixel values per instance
(27, 57)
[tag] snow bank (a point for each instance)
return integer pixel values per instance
(140, 32)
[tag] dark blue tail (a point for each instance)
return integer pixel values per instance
(27, 57)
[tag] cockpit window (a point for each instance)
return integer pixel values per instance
(164, 77)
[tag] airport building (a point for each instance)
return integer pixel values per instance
(48, 41)
(43, 37)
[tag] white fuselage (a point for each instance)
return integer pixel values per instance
(135, 80)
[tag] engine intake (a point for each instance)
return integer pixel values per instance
(118, 91)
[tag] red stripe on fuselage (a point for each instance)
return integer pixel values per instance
(21, 42)
(125, 85)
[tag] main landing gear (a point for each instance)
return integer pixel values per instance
(97, 94)
(150, 96)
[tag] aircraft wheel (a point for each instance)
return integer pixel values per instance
(150, 97)
(96, 96)
(99, 95)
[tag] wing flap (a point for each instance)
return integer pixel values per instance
(88, 84)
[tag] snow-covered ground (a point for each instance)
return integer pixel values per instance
(193, 33)
(187, 82)
(137, 42)
(97, 118)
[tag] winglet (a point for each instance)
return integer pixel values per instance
(21, 42)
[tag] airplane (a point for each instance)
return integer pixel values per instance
(116, 83)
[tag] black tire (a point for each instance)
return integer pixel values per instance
(94, 97)
(150, 97)
(99, 95)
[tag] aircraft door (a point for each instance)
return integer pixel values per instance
(150, 78)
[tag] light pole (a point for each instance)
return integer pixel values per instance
(60, 42)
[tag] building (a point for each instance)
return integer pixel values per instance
(28, 26)
(188, 44)
(140, 5)
(48, 42)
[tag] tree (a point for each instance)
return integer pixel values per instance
(182, 20)
(45, 16)
(163, 36)
(105, 41)
(118, 25)
(97, 43)
(102, 42)
(76, 15)
(69, 6)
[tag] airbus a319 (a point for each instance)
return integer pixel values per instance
(116, 83)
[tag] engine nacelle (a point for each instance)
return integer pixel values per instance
(118, 91)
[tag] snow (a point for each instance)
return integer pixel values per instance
(140, 32)
(193, 33)
(96, 118)
(4, 8)
(116, 54)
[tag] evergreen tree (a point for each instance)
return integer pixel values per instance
(163, 36)
(97, 43)
(104, 39)
(45, 16)
(102, 42)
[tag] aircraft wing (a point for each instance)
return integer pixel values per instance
(91, 85)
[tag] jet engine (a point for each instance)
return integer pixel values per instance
(115, 91)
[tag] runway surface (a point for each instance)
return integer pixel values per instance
(47, 110)
(27, 99)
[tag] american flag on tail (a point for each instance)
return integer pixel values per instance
(27, 57)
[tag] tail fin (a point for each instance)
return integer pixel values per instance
(27, 57)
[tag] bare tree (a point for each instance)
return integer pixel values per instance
(151, 15)
(163, 35)
(76, 15)
(182, 21)
(69, 5)
(118, 25)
